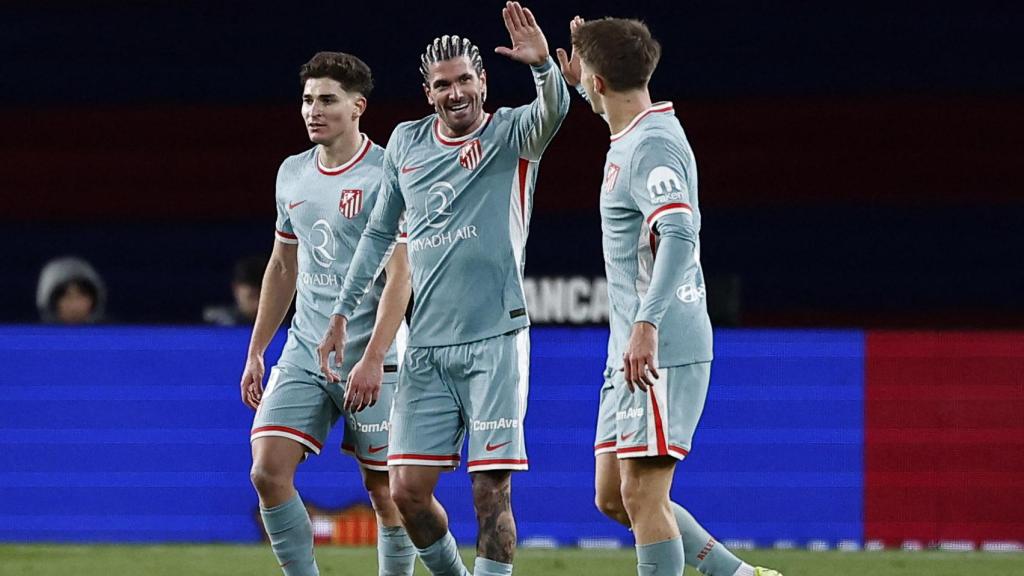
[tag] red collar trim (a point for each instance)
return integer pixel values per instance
(461, 139)
(656, 108)
(347, 165)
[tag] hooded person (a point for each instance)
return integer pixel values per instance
(70, 291)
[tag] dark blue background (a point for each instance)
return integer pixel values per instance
(137, 434)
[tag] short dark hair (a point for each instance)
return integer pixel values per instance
(249, 271)
(446, 48)
(621, 50)
(352, 73)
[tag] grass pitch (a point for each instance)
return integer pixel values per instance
(224, 560)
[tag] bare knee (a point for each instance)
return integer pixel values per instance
(377, 487)
(408, 497)
(610, 504)
(270, 481)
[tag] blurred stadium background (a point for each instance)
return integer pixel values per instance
(860, 181)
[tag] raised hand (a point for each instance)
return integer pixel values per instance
(529, 45)
(572, 71)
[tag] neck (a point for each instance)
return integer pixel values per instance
(446, 131)
(621, 107)
(341, 150)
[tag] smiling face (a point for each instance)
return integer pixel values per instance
(457, 93)
(329, 111)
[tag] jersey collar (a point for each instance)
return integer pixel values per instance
(447, 141)
(656, 108)
(360, 153)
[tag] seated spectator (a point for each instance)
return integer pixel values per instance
(70, 291)
(245, 285)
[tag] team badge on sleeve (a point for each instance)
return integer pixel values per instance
(470, 154)
(351, 203)
(664, 185)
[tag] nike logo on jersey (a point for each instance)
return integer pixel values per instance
(292, 205)
(626, 437)
(375, 449)
(407, 169)
(492, 447)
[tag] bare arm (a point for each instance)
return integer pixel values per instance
(275, 297)
(365, 379)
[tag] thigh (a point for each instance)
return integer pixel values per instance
(426, 425)
(277, 455)
(491, 378)
(294, 406)
(607, 482)
(605, 437)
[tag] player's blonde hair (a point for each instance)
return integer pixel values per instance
(447, 47)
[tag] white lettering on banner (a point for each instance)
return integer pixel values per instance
(499, 424)
(443, 238)
(573, 300)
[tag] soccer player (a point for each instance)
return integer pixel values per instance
(659, 351)
(464, 178)
(324, 198)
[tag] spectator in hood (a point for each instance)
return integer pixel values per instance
(70, 291)
(246, 284)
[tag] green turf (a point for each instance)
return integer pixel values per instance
(63, 560)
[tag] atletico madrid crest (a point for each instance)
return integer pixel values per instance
(351, 203)
(470, 154)
(610, 177)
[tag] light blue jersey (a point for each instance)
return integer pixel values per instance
(324, 211)
(467, 204)
(650, 221)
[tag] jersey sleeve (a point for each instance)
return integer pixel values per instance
(403, 231)
(283, 227)
(377, 240)
(535, 124)
(660, 189)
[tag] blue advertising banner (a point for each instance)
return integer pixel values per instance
(137, 434)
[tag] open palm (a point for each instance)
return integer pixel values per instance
(572, 70)
(529, 45)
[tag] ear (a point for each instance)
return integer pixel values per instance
(359, 104)
(483, 86)
(426, 92)
(600, 86)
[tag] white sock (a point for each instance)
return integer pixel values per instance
(744, 570)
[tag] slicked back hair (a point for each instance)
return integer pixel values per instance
(621, 50)
(446, 48)
(352, 73)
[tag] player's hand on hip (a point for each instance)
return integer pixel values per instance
(529, 45)
(363, 387)
(638, 362)
(333, 341)
(572, 70)
(252, 381)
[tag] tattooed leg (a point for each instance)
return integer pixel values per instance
(492, 496)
